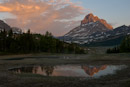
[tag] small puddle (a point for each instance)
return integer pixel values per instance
(71, 70)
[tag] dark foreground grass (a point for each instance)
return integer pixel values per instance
(126, 84)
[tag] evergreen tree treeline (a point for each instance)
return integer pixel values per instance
(124, 46)
(28, 43)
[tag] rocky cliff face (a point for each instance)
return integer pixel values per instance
(91, 18)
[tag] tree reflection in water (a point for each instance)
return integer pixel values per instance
(48, 70)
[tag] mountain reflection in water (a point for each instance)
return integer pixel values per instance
(70, 70)
(91, 70)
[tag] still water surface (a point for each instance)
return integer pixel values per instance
(71, 70)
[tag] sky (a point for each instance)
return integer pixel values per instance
(61, 16)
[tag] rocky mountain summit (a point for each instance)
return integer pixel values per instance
(93, 29)
(90, 18)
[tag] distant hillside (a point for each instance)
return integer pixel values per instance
(5, 26)
(108, 42)
(124, 47)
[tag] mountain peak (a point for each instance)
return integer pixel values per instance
(91, 18)
(90, 15)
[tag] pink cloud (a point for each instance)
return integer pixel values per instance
(43, 15)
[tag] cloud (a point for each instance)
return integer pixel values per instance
(4, 9)
(56, 16)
